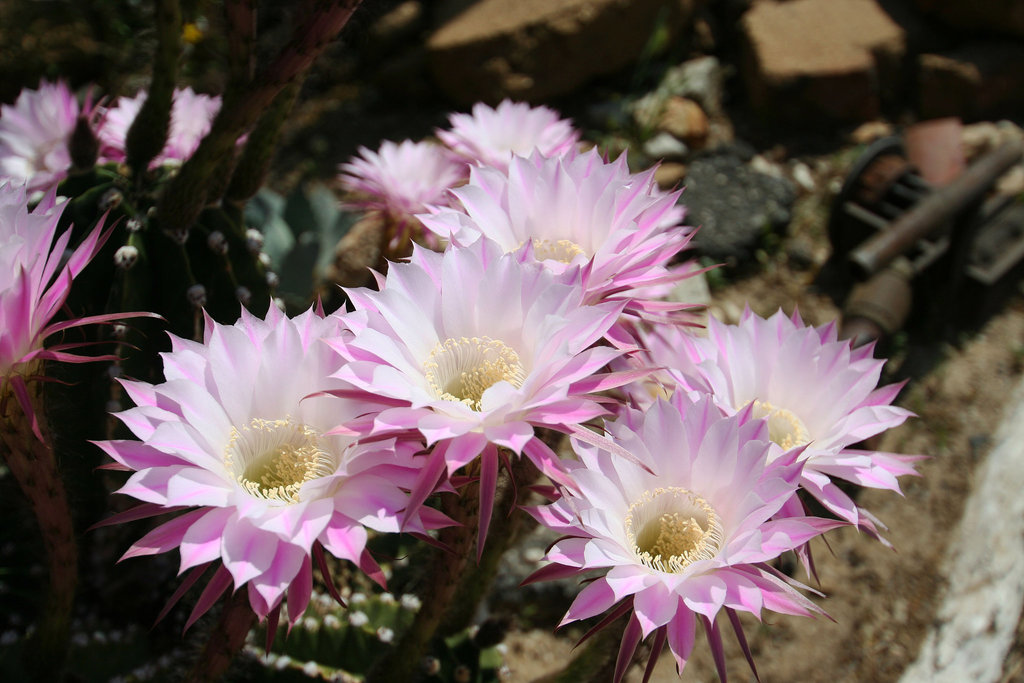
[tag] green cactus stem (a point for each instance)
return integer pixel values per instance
(148, 132)
(226, 639)
(507, 525)
(240, 18)
(439, 587)
(34, 466)
(188, 193)
(259, 148)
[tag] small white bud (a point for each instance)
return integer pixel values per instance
(387, 598)
(253, 240)
(311, 669)
(385, 634)
(197, 295)
(264, 259)
(272, 279)
(126, 256)
(243, 295)
(431, 666)
(411, 602)
(111, 199)
(217, 242)
(358, 619)
(133, 225)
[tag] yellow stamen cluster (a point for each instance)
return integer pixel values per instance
(784, 427)
(462, 369)
(272, 459)
(556, 250)
(671, 528)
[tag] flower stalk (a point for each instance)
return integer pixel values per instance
(32, 463)
(446, 574)
(226, 639)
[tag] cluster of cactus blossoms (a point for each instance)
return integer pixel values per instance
(533, 306)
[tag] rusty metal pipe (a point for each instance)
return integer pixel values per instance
(934, 210)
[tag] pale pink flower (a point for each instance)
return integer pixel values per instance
(35, 280)
(402, 179)
(490, 136)
(578, 210)
(684, 530)
(473, 349)
(233, 437)
(192, 116)
(818, 394)
(34, 136)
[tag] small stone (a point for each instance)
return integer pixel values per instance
(870, 131)
(684, 119)
(802, 176)
(665, 146)
(669, 174)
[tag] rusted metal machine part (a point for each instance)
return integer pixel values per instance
(934, 210)
(880, 306)
(896, 234)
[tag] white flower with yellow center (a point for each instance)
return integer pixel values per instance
(237, 434)
(684, 534)
(816, 393)
(577, 210)
(474, 349)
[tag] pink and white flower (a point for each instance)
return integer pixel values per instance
(402, 179)
(818, 394)
(34, 284)
(192, 116)
(34, 136)
(474, 349)
(578, 211)
(491, 136)
(684, 532)
(233, 437)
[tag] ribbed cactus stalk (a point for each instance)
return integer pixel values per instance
(32, 462)
(442, 578)
(148, 132)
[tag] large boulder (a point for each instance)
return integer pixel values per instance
(538, 49)
(821, 60)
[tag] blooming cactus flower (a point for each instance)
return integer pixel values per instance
(490, 136)
(34, 136)
(34, 284)
(472, 349)
(577, 210)
(231, 435)
(684, 531)
(402, 179)
(818, 394)
(192, 115)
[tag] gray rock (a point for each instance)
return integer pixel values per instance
(665, 146)
(734, 206)
(974, 628)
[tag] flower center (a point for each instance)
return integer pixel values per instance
(784, 427)
(671, 528)
(556, 250)
(463, 369)
(272, 459)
